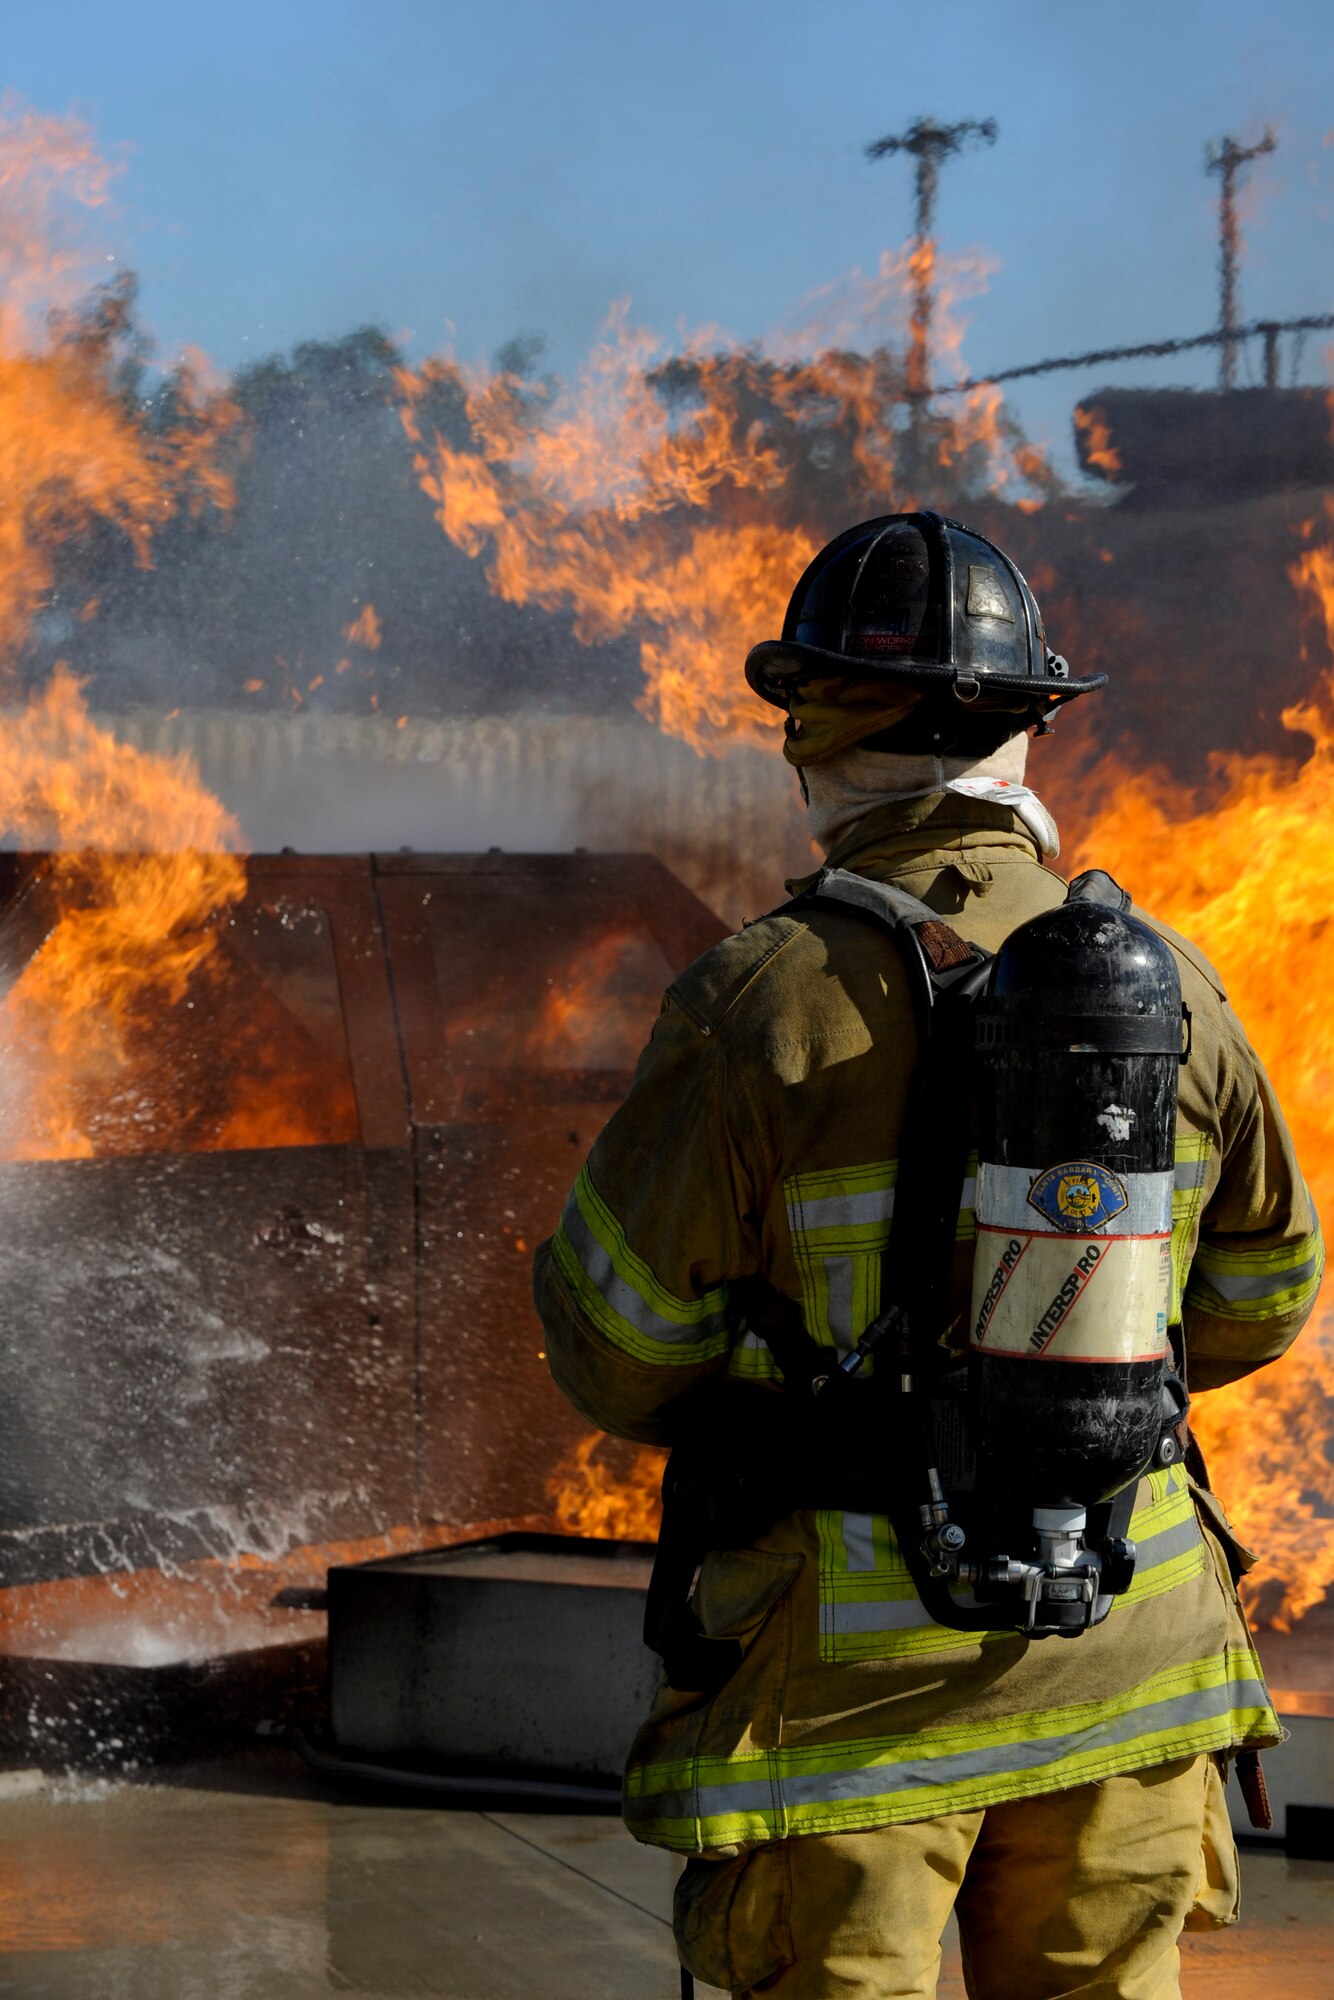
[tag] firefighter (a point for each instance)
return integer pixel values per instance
(840, 1770)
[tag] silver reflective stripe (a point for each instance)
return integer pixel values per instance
(1236, 1286)
(991, 1760)
(622, 1297)
(907, 1614)
(1002, 1202)
(838, 1285)
(1190, 1174)
(1155, 1550)
(856, 1211)
(883, 1614)
(841, 1211)
(859, 1541)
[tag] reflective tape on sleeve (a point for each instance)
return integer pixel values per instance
(619, 1294)
(1256, 1284)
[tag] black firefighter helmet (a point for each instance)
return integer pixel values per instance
(921, 602)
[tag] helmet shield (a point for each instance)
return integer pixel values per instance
(893, 611)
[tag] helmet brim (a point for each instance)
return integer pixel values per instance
(776, 666)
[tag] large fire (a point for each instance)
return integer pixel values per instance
(144, 858)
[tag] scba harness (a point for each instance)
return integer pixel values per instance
(1008, 1470)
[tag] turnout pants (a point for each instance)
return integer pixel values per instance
(1078, 1892)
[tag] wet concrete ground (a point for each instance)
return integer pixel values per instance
(247, 1881)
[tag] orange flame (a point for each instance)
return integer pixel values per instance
(51, 174)
(141, 859)
(365, 630)
(593, 1013)
(72, 450)
(591, 1497)
(655, 494)
(1098, 449)
(137, 873)
(1240, 874)
(101, 1030)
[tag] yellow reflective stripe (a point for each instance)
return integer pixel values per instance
(633, 1269)
(839, 1221)
(1169, 1548)
(1257, 1284)
(869, 1607)
(750, 1360)
(949, 1737)
(850, 1208)
(870, 1610)
(594, 1306)
(1192, 1166)
(841, 1296)
(1248, 1264)
(1201, 1705)
(1192, 1150)
(1169, 1503)
(617, 1292)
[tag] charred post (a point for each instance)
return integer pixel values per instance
(1227, 161)
(930, 145)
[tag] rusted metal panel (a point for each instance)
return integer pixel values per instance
(526, 987)
(405, 908)
(204, 1353)
(342, 886)
(212, 1345)
(493, 1426)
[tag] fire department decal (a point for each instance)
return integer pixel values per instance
(1078, 1196)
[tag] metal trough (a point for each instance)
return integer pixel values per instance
(521, 1655)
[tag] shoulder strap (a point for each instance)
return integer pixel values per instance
(945, 974)
(1095, 885)
(937, 961)
(935, 957)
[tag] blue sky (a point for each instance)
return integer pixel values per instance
(297, 167)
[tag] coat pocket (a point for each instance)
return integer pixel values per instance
(733, 1918)
(738, 1588)
(1239, 1557)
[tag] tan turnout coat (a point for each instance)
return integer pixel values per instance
(761, 1134)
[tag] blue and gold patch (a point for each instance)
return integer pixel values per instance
(1078, 1196)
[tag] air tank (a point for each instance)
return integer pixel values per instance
(1080, 1039)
